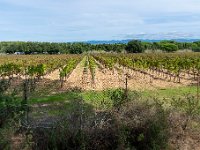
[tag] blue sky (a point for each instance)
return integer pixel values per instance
(82, 20)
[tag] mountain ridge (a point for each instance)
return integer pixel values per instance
(143, 40)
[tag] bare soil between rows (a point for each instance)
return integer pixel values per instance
(109, 79)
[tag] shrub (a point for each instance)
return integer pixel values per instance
(189, 105)
(118, 97)
(143, 126)
(135, 126)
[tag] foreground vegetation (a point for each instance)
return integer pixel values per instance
(110, 119)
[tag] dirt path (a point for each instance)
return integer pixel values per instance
(106, 79)
(55, 75)
(75, 78)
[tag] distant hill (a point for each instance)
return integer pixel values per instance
(145, 40)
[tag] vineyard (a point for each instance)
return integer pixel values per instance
(104, 71)
(35, 66)
(153, 70)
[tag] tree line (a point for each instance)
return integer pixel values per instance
(136, 46)
(133, 46)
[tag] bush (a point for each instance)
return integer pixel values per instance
(188, 105)
(135, 126)
(143, 126)
(118, 97)
(8, 102)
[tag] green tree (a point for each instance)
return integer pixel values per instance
(195, 47)
(169, 47)
(134, 46)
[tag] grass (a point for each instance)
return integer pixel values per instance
(61, 103)
(61, 97)
(170, 92)
(96, 98)
(99, 99)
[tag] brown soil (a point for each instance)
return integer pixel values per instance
(53, 75)
(17, 142)
(139, 81)
(107, 79)
(75, 78)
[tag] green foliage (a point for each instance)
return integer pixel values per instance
(196, 47)
(143, 126)
(108, 61)
(92, 66)
(174, 64)
(55, 48)
(134, 46)
(188, 104)
(66, 70)
(38, 70)
(118, 97)
(169, 47)
(147, 45)
(8, 102)
(9, 69)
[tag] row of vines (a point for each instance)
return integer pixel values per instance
(36, 65)
(166, 66)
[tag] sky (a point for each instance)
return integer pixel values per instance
(84, 20)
